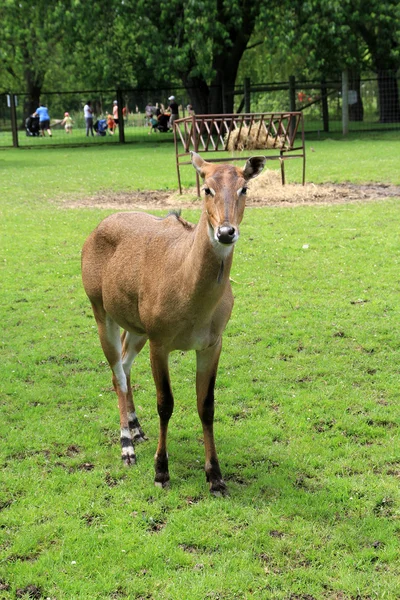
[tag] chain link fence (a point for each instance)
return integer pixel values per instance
(373, 104)
(24, 130)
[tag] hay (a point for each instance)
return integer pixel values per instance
(267, 188)
(253, 138)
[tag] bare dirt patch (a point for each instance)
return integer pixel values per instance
(266, 190)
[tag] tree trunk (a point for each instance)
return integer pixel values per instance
(356, 109)
(198, 92)
(34, 88)
(217, 98)
(389, 106)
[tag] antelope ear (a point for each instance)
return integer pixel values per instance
(198, 163)
(253, 167)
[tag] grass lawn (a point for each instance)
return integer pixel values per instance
(307, 423)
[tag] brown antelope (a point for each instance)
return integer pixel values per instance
(167, 281)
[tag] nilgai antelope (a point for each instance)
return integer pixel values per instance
(167, 281)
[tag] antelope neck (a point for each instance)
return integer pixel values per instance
(211, 261)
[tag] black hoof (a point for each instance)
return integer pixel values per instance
(140, 437)
(137, 432)
(164, 484)
(218, 488)
(128, 459)
(161, 480)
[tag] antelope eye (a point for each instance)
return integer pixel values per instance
(207, 191)
(244, 191)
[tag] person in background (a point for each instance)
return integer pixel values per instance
(110, 124)
(115, 113)
(153, 122)
(148, 111)
(174, 110)
(163, 121)
(67, 122)
(88, 113)
(190, 110)
(44, 119)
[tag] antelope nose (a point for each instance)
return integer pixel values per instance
(226, 234)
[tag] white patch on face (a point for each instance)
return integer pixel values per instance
(222, 250)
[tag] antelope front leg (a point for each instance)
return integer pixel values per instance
(165, 406)
(207, 366)
(110, 339)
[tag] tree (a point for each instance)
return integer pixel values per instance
(31, 34)
(356, 35)
(103, 45)
(67, 43)
(200, 43)
(377, 22)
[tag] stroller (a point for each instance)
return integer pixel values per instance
(163, 123)
(100, 127)
(32, 126)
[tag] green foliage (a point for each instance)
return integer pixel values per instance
(72, 44)
(378, 24)
(31, 36)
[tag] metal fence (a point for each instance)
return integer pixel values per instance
(280, 136)
(321, 103)
(19, 131)
(372, 103)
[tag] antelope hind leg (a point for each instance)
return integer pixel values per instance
(131, 346)
(207, 366)
(109, 334)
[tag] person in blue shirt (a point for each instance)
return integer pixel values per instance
(44, 119)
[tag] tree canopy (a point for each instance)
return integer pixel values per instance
(200, 44)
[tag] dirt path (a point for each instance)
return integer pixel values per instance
(266, 190)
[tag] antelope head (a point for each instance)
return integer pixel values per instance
(225, 189)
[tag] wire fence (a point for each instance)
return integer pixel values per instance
(372, 104)
(26, 130)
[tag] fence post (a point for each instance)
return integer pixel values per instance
(14, 126)
(246, 92)
(292, 93)
(345, 102)
(324, 102)
(121, 124)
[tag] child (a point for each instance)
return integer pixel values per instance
(153, 122)
(67, 122)
(110, 124)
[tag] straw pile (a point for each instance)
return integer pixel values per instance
(253, 138)
(267, 189)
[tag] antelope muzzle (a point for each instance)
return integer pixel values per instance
(227, 234)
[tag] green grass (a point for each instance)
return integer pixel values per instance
(78, 137)
(307, 423)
